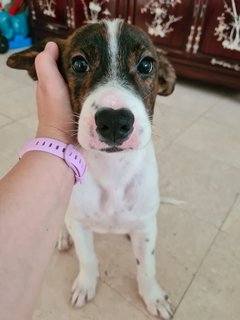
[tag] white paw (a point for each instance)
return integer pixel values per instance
(83, 290)
(157, 301)
(64, 240)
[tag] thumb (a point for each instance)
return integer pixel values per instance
(51, 48)
(46, 64)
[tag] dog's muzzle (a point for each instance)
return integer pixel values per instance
(114, 126)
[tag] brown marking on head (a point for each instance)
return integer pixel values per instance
(91, 43)
(137, 46)
(146, 84)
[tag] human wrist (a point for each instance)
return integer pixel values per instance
(51, 164)
(70, 154)
(52, 132)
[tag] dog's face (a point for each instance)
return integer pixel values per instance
(114, 73)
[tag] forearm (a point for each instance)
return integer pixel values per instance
(33, 198)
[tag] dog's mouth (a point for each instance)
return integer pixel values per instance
(112, 149)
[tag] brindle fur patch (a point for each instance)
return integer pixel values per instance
(92, 42)
(134, 44)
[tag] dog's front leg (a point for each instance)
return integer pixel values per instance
(143, 241)
(84, 286)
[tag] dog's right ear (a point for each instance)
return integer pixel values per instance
(25, 59)
(166, 75)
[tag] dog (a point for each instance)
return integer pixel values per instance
(114, 73)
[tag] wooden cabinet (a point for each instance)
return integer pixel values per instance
(176, 39)
(51, 18)
(193, 46)
(197, 42)
(209, 43)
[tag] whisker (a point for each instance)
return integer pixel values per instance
(76, 114)
(72, 122)
(72, 130)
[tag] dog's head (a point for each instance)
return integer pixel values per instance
(114, 73)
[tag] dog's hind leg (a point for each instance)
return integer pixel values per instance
(64, 239)
(143, 242)
(84, 286)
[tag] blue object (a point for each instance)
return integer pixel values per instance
(11, 26)
(19, 42)
(5, 25)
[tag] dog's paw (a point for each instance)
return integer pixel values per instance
(157, 302)
(64, 240)
(83, 290)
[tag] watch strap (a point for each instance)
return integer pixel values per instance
(67, 152)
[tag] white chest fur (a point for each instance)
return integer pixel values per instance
(120, 191)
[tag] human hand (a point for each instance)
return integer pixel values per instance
(54, 108)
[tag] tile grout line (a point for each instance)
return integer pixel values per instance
(230, 165)
(172, 141)
(193, 122)
(11, 121)
(237, 195)
(5, 115)
(20, 117)
(28, 115)
(14, 121)
(227, 126)
(125, 299)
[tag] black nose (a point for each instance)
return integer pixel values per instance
(114, 126)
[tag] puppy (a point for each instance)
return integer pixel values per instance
(113, 73)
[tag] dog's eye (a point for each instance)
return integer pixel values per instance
(80, 65)
(145, 66)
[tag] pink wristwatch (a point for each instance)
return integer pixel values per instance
(67, 152)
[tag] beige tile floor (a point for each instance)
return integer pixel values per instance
(197, 137)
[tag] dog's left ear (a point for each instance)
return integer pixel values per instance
(166, 76)
(25, 59)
